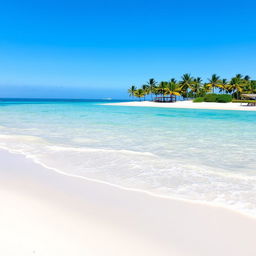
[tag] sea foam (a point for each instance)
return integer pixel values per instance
(202, 156)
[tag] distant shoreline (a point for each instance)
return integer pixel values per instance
(187, 105)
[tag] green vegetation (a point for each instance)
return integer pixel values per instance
(212, 97)
(140, 93)
(194, 87)
(224, 98)
(199, 99)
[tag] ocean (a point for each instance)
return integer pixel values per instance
(205, 156)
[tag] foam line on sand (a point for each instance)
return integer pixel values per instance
(46, 213)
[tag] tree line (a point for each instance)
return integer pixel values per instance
(193, 87)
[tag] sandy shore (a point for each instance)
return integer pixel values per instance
(47, 213)
(187, 104)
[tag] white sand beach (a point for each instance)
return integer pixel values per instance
(47, 213)
(187, 104)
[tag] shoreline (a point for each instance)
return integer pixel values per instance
(151, 225)
(130, 189)
(186, 105)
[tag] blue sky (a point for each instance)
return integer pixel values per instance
(96, 49)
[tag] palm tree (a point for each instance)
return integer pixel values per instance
(197, 86)
(161, 87)
(146, 90)
(152, 85)
(132, 90)
(223, 85)
(248, 84)
(214, 82)
(172, 88)
(253, 86)
(194, 87)
(186, 84)
(139, 93)
(237, 85)
(202, 92)
(239, 76)
(249, 88)
(247, 78)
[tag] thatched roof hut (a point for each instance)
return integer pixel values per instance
(249, 96)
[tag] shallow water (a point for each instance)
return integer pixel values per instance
(202, 155)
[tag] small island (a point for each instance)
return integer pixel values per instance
(239, 89)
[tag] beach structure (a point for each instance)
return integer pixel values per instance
(249, 96)
(249, 99)
(171, 98)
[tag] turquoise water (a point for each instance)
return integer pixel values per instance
(199, 155)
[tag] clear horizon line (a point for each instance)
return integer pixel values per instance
(49, 98)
